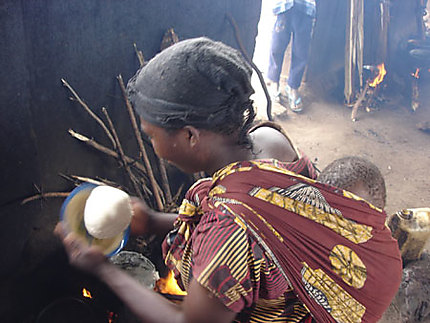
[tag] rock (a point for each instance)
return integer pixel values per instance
(412, 302)
(424, 126)
(138, 266)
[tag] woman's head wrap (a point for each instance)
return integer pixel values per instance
(198, 82)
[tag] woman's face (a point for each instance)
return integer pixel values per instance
(171, 146)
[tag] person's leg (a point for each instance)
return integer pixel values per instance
(302, 34)
(281, 35)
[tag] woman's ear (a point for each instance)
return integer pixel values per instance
(193, 135)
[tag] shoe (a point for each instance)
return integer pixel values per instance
(294, 100)
(276, 97)
(272, 88)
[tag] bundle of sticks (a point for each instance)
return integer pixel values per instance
(140, 171)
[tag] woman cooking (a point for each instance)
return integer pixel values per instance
(254, 242)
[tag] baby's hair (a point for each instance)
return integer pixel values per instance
(348, 171)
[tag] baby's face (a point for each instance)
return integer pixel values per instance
(361, 190)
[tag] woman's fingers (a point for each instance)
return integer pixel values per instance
(80, 254)
(73, 245)
(59, 230)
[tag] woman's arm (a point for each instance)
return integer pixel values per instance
(199, 305)
(148, 306)
(145, 220)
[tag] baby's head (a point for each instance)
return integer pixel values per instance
(357, 175)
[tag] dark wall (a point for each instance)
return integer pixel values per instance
(325, 73)
(88, 43)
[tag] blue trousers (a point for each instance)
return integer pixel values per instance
(298, 24)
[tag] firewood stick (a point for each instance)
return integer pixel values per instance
(107, 151)
(121, 153)
(76, 179)
(138, 135)
(100, 181)
(91, 113)
(165, 179)
(44, 195)
(139, 55)
(415, 103)
(245, 54)
(136, 130)
(358, 102)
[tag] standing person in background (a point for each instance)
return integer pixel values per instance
(294, 17)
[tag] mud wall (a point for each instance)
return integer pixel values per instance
(88, 43)
(325, 72)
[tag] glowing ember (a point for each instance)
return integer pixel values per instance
(169, 285)
(86, 293)
(111, 316)
(416, 74)
(380, 77)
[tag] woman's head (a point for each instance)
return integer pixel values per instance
(196, 82)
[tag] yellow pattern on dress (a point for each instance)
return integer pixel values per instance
(229, 169)
(356, 233)
(343, 307)
(348, 265)
(187, 208)
(280, 170)
(219, 189)
(269, 226)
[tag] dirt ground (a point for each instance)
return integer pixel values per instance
(387, 136)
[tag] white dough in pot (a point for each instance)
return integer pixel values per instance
(107, 212)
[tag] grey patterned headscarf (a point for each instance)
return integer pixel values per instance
(198, 82)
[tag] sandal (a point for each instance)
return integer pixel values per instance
(294, 100)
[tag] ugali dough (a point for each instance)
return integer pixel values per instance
(107, 212)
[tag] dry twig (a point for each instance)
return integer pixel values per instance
(121, 154)
(81, 179)
(139, 55)
(107, 151)
(359, 101)
(140, 143)
(43, 196)
(165, 179)
(91, 113)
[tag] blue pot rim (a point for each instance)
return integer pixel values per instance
(91, 186)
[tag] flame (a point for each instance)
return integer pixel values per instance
(111, 316)
(380, 77)
(86, 293)
(416, 74)
(169, 285)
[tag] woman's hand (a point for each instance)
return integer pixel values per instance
(82, 256)
(140, 219)
(146, 220)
